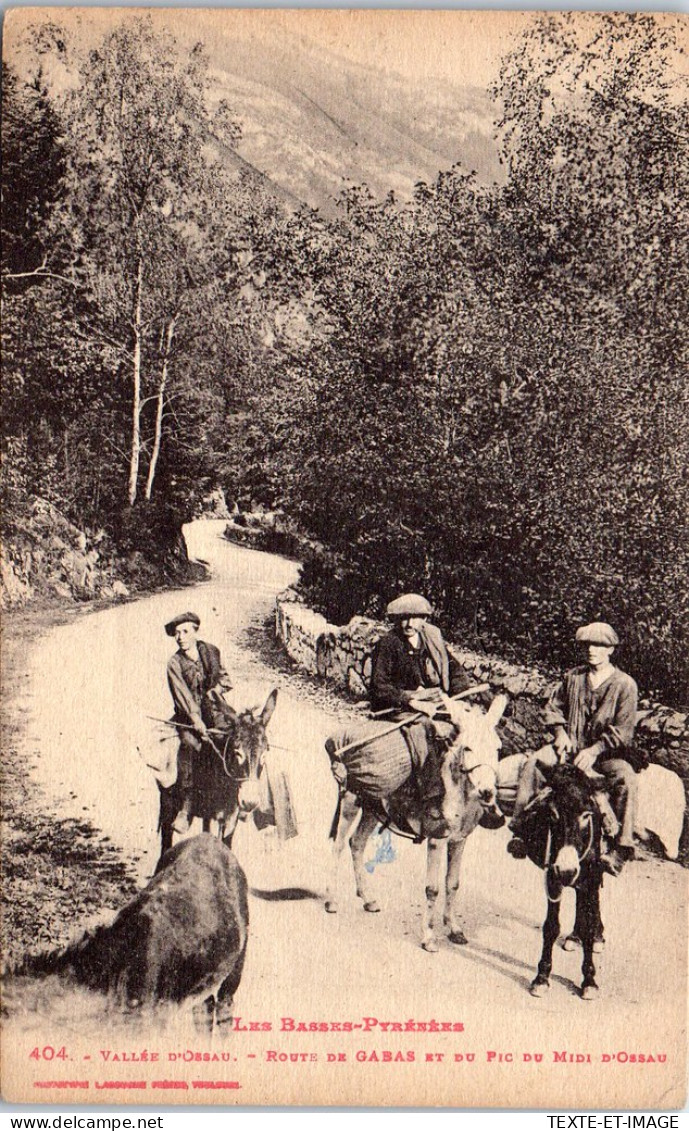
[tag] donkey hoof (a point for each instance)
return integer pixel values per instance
(431, 945)
(372, 906)
(331, 907)
(539, 988)
(458, 938)
(589, 993)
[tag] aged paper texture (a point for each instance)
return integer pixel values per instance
(330, 1009)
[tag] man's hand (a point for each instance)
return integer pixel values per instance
(563, 744)
(430, 693)
(426, 700)
(424, 707)
(201, 729)
(586, 758)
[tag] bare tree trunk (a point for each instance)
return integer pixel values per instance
(136, 393)
(159, 408)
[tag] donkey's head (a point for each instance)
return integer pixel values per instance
(470, 766)
(247, 744)
(568, 810)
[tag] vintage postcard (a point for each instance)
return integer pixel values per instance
(344, 496)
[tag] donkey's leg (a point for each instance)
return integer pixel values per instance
(453, 918)
(574, 940)
(203, 1014)
(224, 1001)
(551, 929)
(168, 811)
(228, 827)
(588, 914)
(350, 808)
(434, 858)
(359, 840)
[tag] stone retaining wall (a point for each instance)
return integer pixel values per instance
(341, 654)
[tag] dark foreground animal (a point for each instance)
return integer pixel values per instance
(226, 774)
(442, 800)
(182, 939)
(562, 833)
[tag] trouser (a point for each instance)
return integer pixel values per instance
(620, 780)
(185, 771)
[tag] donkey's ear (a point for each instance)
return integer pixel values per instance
(269, 707)
(496, 709)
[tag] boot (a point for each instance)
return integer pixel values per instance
(182, 821)
(614, 856)
(516, 846)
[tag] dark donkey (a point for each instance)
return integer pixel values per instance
(180, 940)
(226, 772)
(562, 832)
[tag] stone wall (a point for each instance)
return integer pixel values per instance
(342, 655)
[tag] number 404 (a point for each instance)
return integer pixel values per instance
(48, 1053)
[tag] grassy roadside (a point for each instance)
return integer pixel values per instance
(56, 873)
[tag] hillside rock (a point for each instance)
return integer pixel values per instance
(47, 556)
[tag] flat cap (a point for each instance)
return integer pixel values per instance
(183, 618)
(598, 633)
(409, 605)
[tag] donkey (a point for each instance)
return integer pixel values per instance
(180, 940)
(442, 799)
(562, 833)
(226, 773)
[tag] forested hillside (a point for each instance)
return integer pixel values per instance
(480, 392)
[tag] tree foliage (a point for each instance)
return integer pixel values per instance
(114, 358)
(481, 393)
(491, 400)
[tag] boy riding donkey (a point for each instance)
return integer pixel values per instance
(593, 715)
(194, 673)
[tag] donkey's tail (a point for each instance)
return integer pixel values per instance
(336, 818)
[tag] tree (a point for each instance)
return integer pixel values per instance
(33, 183)
(491, 396)
(146, 192)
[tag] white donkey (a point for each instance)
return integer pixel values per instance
(442, 800)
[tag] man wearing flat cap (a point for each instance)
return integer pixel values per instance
(411, 665)
(593, 716)
(193, 672)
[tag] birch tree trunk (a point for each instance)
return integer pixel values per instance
(159, 408)
(136, 391)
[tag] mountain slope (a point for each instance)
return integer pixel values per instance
(314, 121)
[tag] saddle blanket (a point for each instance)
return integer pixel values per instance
(660, 807)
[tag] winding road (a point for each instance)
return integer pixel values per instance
(92, 685)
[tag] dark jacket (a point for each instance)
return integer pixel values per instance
(189, 684)
(399, 669)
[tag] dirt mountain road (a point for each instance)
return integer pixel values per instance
(91, 686)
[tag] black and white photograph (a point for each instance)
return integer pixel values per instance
(345, 558)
